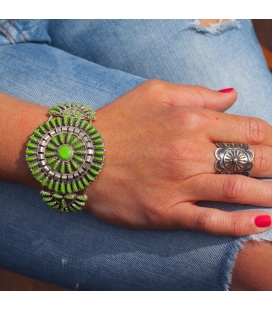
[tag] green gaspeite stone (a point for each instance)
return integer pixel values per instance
(65, 152)
(31, 145)
(62, 168)
(68, 188)
(50, 185)
(58, 119)
(85, 182)
(51, 204)
(99, 159)
(44, 182)
(88, 127)
(56, 142)
(68, 138)
(52, 122)
(47, 199)
(98, 167)
(99, 146)
(71, 121)
(69, 197)
(30, 159)
(99, 152)
(49, 154)
(75, 166)
(74, 141)
(47, 125)
(68, 167)
(51, 146)
(76, 207)
(43, 130)
(36, 171)
(32, 165)
(33, 139)
(51, 161)
(65, 120)
(81, 198)
(29, 152)
(83, 123)
(43, 193)
(78, 146)
(74, 185)
(39, 177)
(56, 187)
(89, 177)
(96, 135)
(56, 165)
(80, 185)
(57, 196)
(78, 159)
(37, 133)
(93, 172)
(62, 188)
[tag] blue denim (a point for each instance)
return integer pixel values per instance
(95, 62)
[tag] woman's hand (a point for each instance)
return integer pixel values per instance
(160, 143)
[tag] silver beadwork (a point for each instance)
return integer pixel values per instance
(233, 158)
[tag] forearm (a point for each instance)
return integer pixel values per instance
(18, 119)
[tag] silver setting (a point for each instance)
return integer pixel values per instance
(64, 172)
(233, 158)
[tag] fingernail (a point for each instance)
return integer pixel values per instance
(263, 221)
(226, 90)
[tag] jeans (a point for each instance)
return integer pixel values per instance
(94, 62)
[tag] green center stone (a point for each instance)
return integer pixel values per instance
(65, 152)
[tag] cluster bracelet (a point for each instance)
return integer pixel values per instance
(66, 154)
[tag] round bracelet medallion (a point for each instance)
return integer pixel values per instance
(65, 155)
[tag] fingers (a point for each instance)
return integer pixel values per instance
(219, 222)
(230, 188)
(202, 97)
(237, 129)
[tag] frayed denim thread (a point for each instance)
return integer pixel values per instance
(216, 28)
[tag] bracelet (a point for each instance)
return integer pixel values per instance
(66, 154)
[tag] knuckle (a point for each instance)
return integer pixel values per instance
(155, 89)
(256, 131)
(205, 221)
(261, 160)
(233, 187)
(191, 118)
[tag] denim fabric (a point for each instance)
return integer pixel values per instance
(94, 62)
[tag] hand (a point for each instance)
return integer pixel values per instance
(160, 144)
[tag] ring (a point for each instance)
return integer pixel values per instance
(233, 158)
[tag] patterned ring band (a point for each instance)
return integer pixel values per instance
(233, 158)
(66, 154)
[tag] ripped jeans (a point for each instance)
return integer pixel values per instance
(95, 62)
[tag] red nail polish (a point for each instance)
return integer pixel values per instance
(226, 90)
(263, 221)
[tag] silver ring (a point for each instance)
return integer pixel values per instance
(233, 158)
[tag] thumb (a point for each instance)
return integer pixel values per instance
(202, 97)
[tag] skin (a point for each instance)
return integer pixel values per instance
(156, 182)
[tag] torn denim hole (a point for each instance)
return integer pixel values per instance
(239, 245)
(215, 28)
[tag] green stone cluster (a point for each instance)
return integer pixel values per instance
(64, 203)
(65, 154)
(73, 110)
